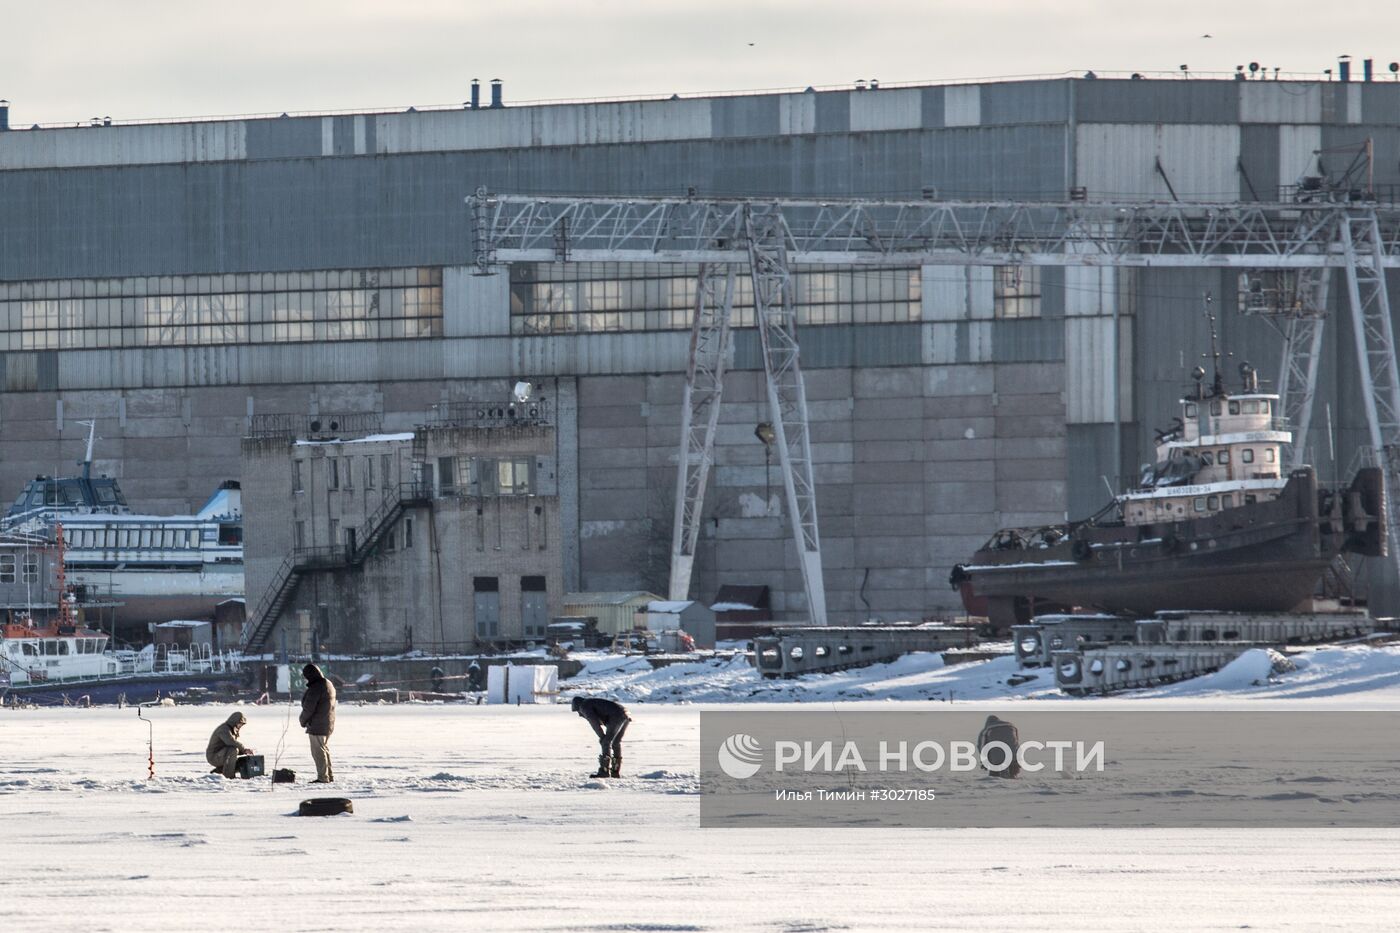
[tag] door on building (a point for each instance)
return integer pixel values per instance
(534, 607)
(487, 593)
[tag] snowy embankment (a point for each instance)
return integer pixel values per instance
(1342, 673)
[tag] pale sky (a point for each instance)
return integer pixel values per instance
(69, 60)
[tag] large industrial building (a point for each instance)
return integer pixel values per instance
(179, 280)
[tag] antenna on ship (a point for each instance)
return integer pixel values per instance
(86, 462)
(1218, 383)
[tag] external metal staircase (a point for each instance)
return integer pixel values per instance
(302, 561)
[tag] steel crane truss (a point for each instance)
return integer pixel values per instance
(1246, 236)
(771, 236)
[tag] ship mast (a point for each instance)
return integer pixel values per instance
(86, 462)
(65, 611)
(1218, 383)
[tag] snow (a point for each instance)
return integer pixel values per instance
(1337, 672)
(371, 439)
(669, 606)
(482, 818)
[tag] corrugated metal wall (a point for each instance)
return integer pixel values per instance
(1120, 161)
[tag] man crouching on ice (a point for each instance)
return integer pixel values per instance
(224, 748)
(609, 720)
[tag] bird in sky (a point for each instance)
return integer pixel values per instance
(1207, 36)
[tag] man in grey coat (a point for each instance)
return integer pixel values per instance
(224, 747)
(318, 719)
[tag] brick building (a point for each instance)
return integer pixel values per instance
(445, 537)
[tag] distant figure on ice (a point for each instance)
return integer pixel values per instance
(318, 719)
(609, 720)
(475, 682)
(224, 748)
(999, 730)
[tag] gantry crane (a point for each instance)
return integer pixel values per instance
(771, 236)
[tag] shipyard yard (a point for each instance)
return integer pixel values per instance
(385, 445)
(482, 817)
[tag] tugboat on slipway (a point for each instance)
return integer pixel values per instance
(1214, 524)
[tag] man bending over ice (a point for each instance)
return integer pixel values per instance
(609, 720)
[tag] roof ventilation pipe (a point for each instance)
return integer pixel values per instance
(496, 94)
(4, 115)
(476, 94)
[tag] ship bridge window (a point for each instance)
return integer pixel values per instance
(29, 648)
(1264, 406)
(1222, 457)
(192, 537)
(1212, 502)
(1269, 455)
(1207, 458)
(230, 534)
(106, 495)
(1234, 408)
(1247, 455)
(1250, 499)
(1199, 503)
(1250, 407)
(1215, 408)
(31, 568)
(7, 568)
(1192, 411)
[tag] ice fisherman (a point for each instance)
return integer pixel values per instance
(999, 730)
(318, 719)
(224, 748)
(609, 720)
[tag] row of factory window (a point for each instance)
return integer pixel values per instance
(481, 476)
(588, 297)
(340, 472)
(127, 538)
(192, 310)
(454, 476)
(22, 568)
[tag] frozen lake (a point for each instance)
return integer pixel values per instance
(481, 818)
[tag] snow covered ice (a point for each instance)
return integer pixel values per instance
(482, 818)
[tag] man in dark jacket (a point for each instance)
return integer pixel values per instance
(224, 747)
(609, 720)
(999, 730)
(318, 719)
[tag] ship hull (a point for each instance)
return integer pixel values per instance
(132, 690)
(1266, 556)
